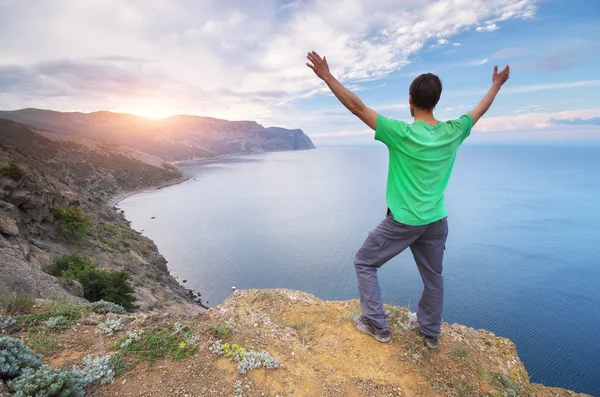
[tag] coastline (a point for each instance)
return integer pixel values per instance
(115, 200)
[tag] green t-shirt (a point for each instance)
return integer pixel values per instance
(420, 164)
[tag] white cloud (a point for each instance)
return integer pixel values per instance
(456, 44)
(551, 86)
(489, 27)
(477, 62)
(529, 121)
(508, 53)
(227, 58)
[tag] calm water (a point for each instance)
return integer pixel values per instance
(522, 255)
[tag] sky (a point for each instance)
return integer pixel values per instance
(245, 60)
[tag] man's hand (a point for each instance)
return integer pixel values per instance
(318, 65)
(500, 78)
(346, 97)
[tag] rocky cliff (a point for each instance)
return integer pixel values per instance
(289, 343)
(42, 171)
(173, 138)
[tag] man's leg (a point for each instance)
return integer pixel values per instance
(385, 242)
(428, 251)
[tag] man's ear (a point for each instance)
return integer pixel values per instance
(410, 99)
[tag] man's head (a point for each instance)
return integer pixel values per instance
(424, 92)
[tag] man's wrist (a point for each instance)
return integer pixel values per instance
(328, 78)
(496, 85)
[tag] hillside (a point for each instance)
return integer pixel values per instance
(285, 343)
(40, 172)
(174, 138)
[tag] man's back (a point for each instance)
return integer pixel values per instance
(420, 164)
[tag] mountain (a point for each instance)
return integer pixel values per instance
(173, 138)
(43, 171)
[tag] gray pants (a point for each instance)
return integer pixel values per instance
(390, 238)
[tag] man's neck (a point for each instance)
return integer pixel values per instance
(425, 116)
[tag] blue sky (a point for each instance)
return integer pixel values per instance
(236, 59)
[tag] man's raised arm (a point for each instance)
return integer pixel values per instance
(347, 98)
(497, 80)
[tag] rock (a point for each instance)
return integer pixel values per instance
(474, 334)
(41, 259)
(23, 276)
(73, 287)
(8, 226)
(145, 299)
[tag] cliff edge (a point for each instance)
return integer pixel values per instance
(288, 343)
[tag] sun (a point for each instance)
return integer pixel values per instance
(153, 113)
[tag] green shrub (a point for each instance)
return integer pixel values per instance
(109, 327)
(71, 311)
(69, 265)
(15, 357)
(219, 330)
(56, 323)
(94, 370)
(12, 171)
(108, 285)
(45, 382)
(103, 307)
(73, 220)
(247, 360)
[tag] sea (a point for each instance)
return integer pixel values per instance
(522, 257)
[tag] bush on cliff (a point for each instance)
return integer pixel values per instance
(109, 285)
(12, 171)
(73, 220)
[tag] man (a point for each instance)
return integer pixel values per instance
(421, 157)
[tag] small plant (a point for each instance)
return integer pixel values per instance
(507, 386)
(16, 357)
(234, 352)
(73, 220)
(7, 324)
(191, 338)
(70, 311)
(459, 352)
(247, 360)
(45, 382)
(178, 328)
(118, 363)
(237, 388)
(253, 360)
(94, 370)
(462, 389)
(218, 329)
(481, 372)
(56, 323)
(12, 171)
(109, 327)
(399, 318)
(15, 302)
(132, 336)
(103, 307)
(43, 341)
(297, 326)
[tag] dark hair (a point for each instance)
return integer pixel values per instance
(425, 91)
